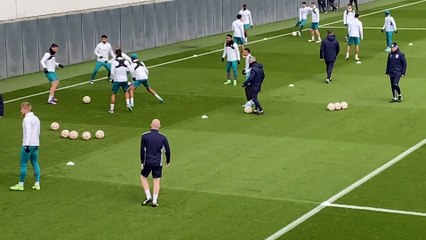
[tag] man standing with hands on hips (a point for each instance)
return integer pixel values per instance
(395, 69)
(153, 145)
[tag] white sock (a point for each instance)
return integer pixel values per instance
(132, 101)
(154, 199)
(356, 55)
(347, 55)
(37, 183)
(148, 194)
(319, 38)
(313, 38)
(21, 184)
(127, 101)
(157, 96)
(50, 97)
(111, 107)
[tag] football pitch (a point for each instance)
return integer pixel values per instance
(297, 172)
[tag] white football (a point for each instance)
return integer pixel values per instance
(337, 106)
(344, 105)
(54, 126)
(294, 34)
(331, 107)
(73, 135)
(65, 133)
(86, 99)
(248, 109)
(86, 135)
(99, 134)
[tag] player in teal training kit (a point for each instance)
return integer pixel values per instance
(102, 51)
(29, 149)
(390, 28)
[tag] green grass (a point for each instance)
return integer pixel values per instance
(233, 176)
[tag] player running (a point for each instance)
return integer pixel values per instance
(247, 20)
(315, 14)
(102, 51)
(356, 34)
(119, 70)
(140, 77)
(390, 28)
(238, 28)
(303, 18)
(48, 62)
(232, 54)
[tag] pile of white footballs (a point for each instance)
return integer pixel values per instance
(86, 135)
(337, 106)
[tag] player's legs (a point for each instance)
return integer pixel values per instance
(317, 33)
(396, 87)
(95, 71)
(348, 50)
(312, 31)
(329, 68)
(155, 191)
(53, 87)
(235, 70)
(259, 108)
(228, 72)
(357, 52)
(23, 170)
(389, 40)
(36, 167)
(127, 95)
(112, 104)
(107, 65)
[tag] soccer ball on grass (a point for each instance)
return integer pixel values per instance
(99, 134)
(54, 126)
(86, 99)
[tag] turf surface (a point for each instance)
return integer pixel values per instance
(233, 176)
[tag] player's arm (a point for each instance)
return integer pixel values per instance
(345, 14)
(111, 52)
(97, 51)
(143, 149)
(112, 70)
(168, 152)
(394, 24)
(44, 59)
(28, 132)
(250, 78)
(250, 19)
(337, 48)
(361, 31)
(387, 65)
(404, 64)
(322, 51)
(237, 51)
(224, 52)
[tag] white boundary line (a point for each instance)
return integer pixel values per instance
(373, 209)
(380, 28)
(345, 191)
(204, 54)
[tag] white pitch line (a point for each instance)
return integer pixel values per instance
(380, 28)
(206, 53)
(345, 191)
(373, 209)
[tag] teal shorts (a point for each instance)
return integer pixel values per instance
(314, 26)
(239, 40)
(301, 23)
(143, 82)
(354, 40)
(51, 76)
(247, 26)
(116, 86)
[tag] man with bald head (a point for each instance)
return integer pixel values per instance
(153, 145)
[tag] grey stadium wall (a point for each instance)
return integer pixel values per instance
(137, 27)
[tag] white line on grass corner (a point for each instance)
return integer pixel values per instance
(329, 202)
(373, 209)
(208, 53)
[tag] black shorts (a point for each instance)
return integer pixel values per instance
(156, 171)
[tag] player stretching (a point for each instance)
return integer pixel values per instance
(247, 20)
(238, 28)
(303, 18)
(48, 62)
(140, 77)
(355, 36)
(102, 51)
(390, 28)
(348, 18)
(232, 54)
(119, 70)
(315, 14)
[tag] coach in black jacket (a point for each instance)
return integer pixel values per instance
(395, 69)
(255, 81)
(330, 48)
(153, 145)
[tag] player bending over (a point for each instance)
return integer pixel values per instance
(140, 77)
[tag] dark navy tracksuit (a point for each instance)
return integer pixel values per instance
(329, 50)
(1, 106)
(254, 83)
(153, 144)
(396, 67)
